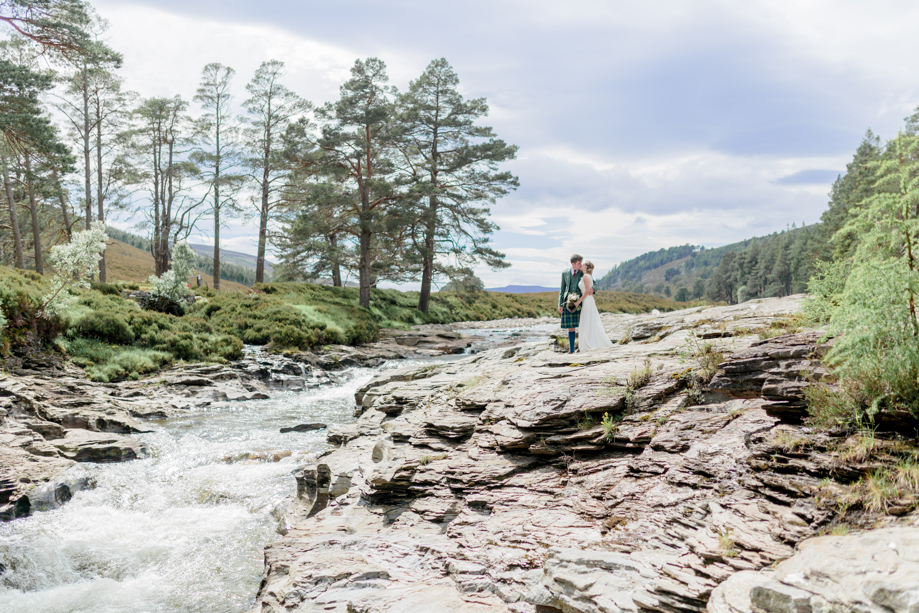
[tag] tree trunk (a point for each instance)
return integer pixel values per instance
(262, 239)
(14, 219)
(263, 221)
(216, 270)
(87, 169)
(427, 270)
(216, 239)
(63, 201)
(336, 268)
(366, 235)
(100, 196)
(33, 210)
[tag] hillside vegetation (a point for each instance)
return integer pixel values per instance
(113, 339)
(768, 266)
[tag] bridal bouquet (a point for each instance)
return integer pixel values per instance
(571, 303)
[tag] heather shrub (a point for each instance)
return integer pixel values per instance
(107, 326)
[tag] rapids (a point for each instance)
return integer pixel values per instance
(181, 530)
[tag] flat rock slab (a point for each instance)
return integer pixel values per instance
(876, 571)
(527, 480)
(87, 446)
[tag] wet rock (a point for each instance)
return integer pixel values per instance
(51, 418)
(313, 488)
(88, 446)
(55, 494)
(263, 455)
(304, 427)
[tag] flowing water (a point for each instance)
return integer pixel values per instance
(183, 529)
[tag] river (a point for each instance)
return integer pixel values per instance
(181, 530)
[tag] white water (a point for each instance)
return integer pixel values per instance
(182, 530)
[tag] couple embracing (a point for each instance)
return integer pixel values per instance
(578, 308)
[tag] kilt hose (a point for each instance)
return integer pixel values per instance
(570, 320)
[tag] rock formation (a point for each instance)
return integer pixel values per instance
(527, 480)
(877, 572)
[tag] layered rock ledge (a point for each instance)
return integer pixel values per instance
(527, 480)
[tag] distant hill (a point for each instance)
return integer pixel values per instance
(124, 262)
(232, 257)
(774, 265)
(234, 266)
(521, 289)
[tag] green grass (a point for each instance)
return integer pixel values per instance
(105, 362)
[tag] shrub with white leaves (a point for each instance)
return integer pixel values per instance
(75, 263)
(173, 284)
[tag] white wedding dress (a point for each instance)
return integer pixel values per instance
(591, 334)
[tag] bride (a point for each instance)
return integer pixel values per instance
(591, 332)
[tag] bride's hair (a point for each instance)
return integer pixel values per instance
(588, 267)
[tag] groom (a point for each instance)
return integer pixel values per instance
(570, 280)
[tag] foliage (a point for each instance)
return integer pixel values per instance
(271, 108)
(74, 262)
(173, 284)
(107, 332)
(868, 300)
(776, 265)
(610, 425)
(705, 355)
(454, 176)
(157, 152)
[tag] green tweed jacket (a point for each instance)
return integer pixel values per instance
(570, 285)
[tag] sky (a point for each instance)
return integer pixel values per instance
(640, 125)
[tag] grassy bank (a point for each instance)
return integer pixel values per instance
(113, 339)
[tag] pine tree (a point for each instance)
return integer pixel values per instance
(218, 154)
(850, 189)
(357, 149)
(454, 172)
(869, 298)
(271, 108)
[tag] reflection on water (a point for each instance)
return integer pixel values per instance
(181, 530)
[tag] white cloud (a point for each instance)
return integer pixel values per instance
(641, 125)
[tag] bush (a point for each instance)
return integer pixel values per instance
(868, 301)
(106, 288)
(20, 305)
(105, 326)
(105, 363)
(173, 284)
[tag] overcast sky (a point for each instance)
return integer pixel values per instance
(641, 125)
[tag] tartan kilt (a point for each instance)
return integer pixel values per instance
(570, 320)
